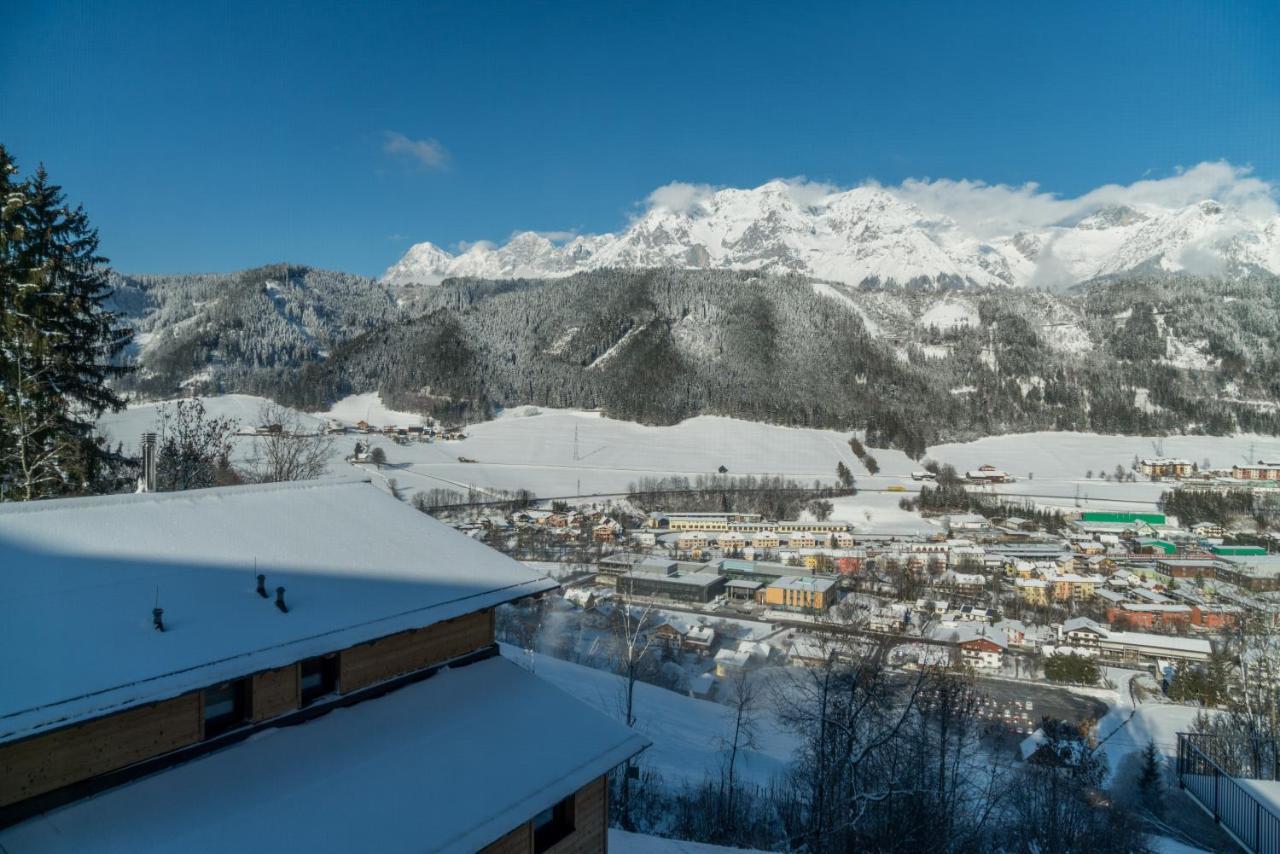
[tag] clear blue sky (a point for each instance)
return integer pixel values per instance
(239, 134)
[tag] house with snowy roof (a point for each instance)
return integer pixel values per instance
(303, 666)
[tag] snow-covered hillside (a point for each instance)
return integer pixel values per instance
(876, 234)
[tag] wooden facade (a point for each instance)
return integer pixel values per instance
(274, 692)
(376, 661)
(590, 832)
(45, 763)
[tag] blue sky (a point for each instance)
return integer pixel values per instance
(335, 134)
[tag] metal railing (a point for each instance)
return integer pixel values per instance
(1210, 768)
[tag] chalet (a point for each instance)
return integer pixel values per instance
(606, 531)
(1082, 632)
(984, 652)
(987, 474)
(1207, 529)
(731, 661)
(700, 639)
(667, 635)
(174, 658)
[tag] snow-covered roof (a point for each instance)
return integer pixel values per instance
(79, 577)
(1076, 624)
(440, 765)
(806, 583)
(732, 658)
(1199, 646)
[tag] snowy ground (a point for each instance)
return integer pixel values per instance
(1127, 728)
(622, 842)
(687, 734)
(568, 452)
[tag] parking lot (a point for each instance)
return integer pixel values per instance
(1013, 710)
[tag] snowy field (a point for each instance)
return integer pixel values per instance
(567, 452)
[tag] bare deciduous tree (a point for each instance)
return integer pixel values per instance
(194, 449)
(290, 449)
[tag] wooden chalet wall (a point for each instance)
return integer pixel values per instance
(45, 763)
(275, 692)
(369, 663)
(591, 826)
(48, 762)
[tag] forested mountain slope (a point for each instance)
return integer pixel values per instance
(239, 330)
(1140, 354)
(1143, 353)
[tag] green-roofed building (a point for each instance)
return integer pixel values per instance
(1238, 550)
(1157, 545)
(1111, 516)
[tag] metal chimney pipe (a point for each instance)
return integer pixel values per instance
(157, 619)
(262, 586)
(284, 609)
(147, 482)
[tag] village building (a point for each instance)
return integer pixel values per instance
(800, 593)
(1138, 615)
(765, 540)
(741, 589)
(1262, 470)
(983, 652)
(988, 474)
(1165, 467)
(662, 579)
(174, 657)
(1034, 592)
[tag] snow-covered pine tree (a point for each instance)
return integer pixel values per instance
(58, 341)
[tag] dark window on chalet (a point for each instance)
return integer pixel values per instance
(552, 824)
(318, 678)
(226, 706)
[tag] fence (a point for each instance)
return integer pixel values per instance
(1210, 768)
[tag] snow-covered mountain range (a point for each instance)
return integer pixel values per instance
(873, 234)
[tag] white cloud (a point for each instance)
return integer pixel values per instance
(477, 245)
(427, 153)
(679, 197)
(989, 210)
(993, 210)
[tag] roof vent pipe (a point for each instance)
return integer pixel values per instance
(157, 619)
(284, 609)
(147, 482)
(262, 586)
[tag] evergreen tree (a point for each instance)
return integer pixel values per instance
(1150, 781)
(59, 340)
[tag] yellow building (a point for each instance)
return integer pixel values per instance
(800, 593)
(765, 540)
(1032, 590)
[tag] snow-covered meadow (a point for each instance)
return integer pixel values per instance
(558, 452)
